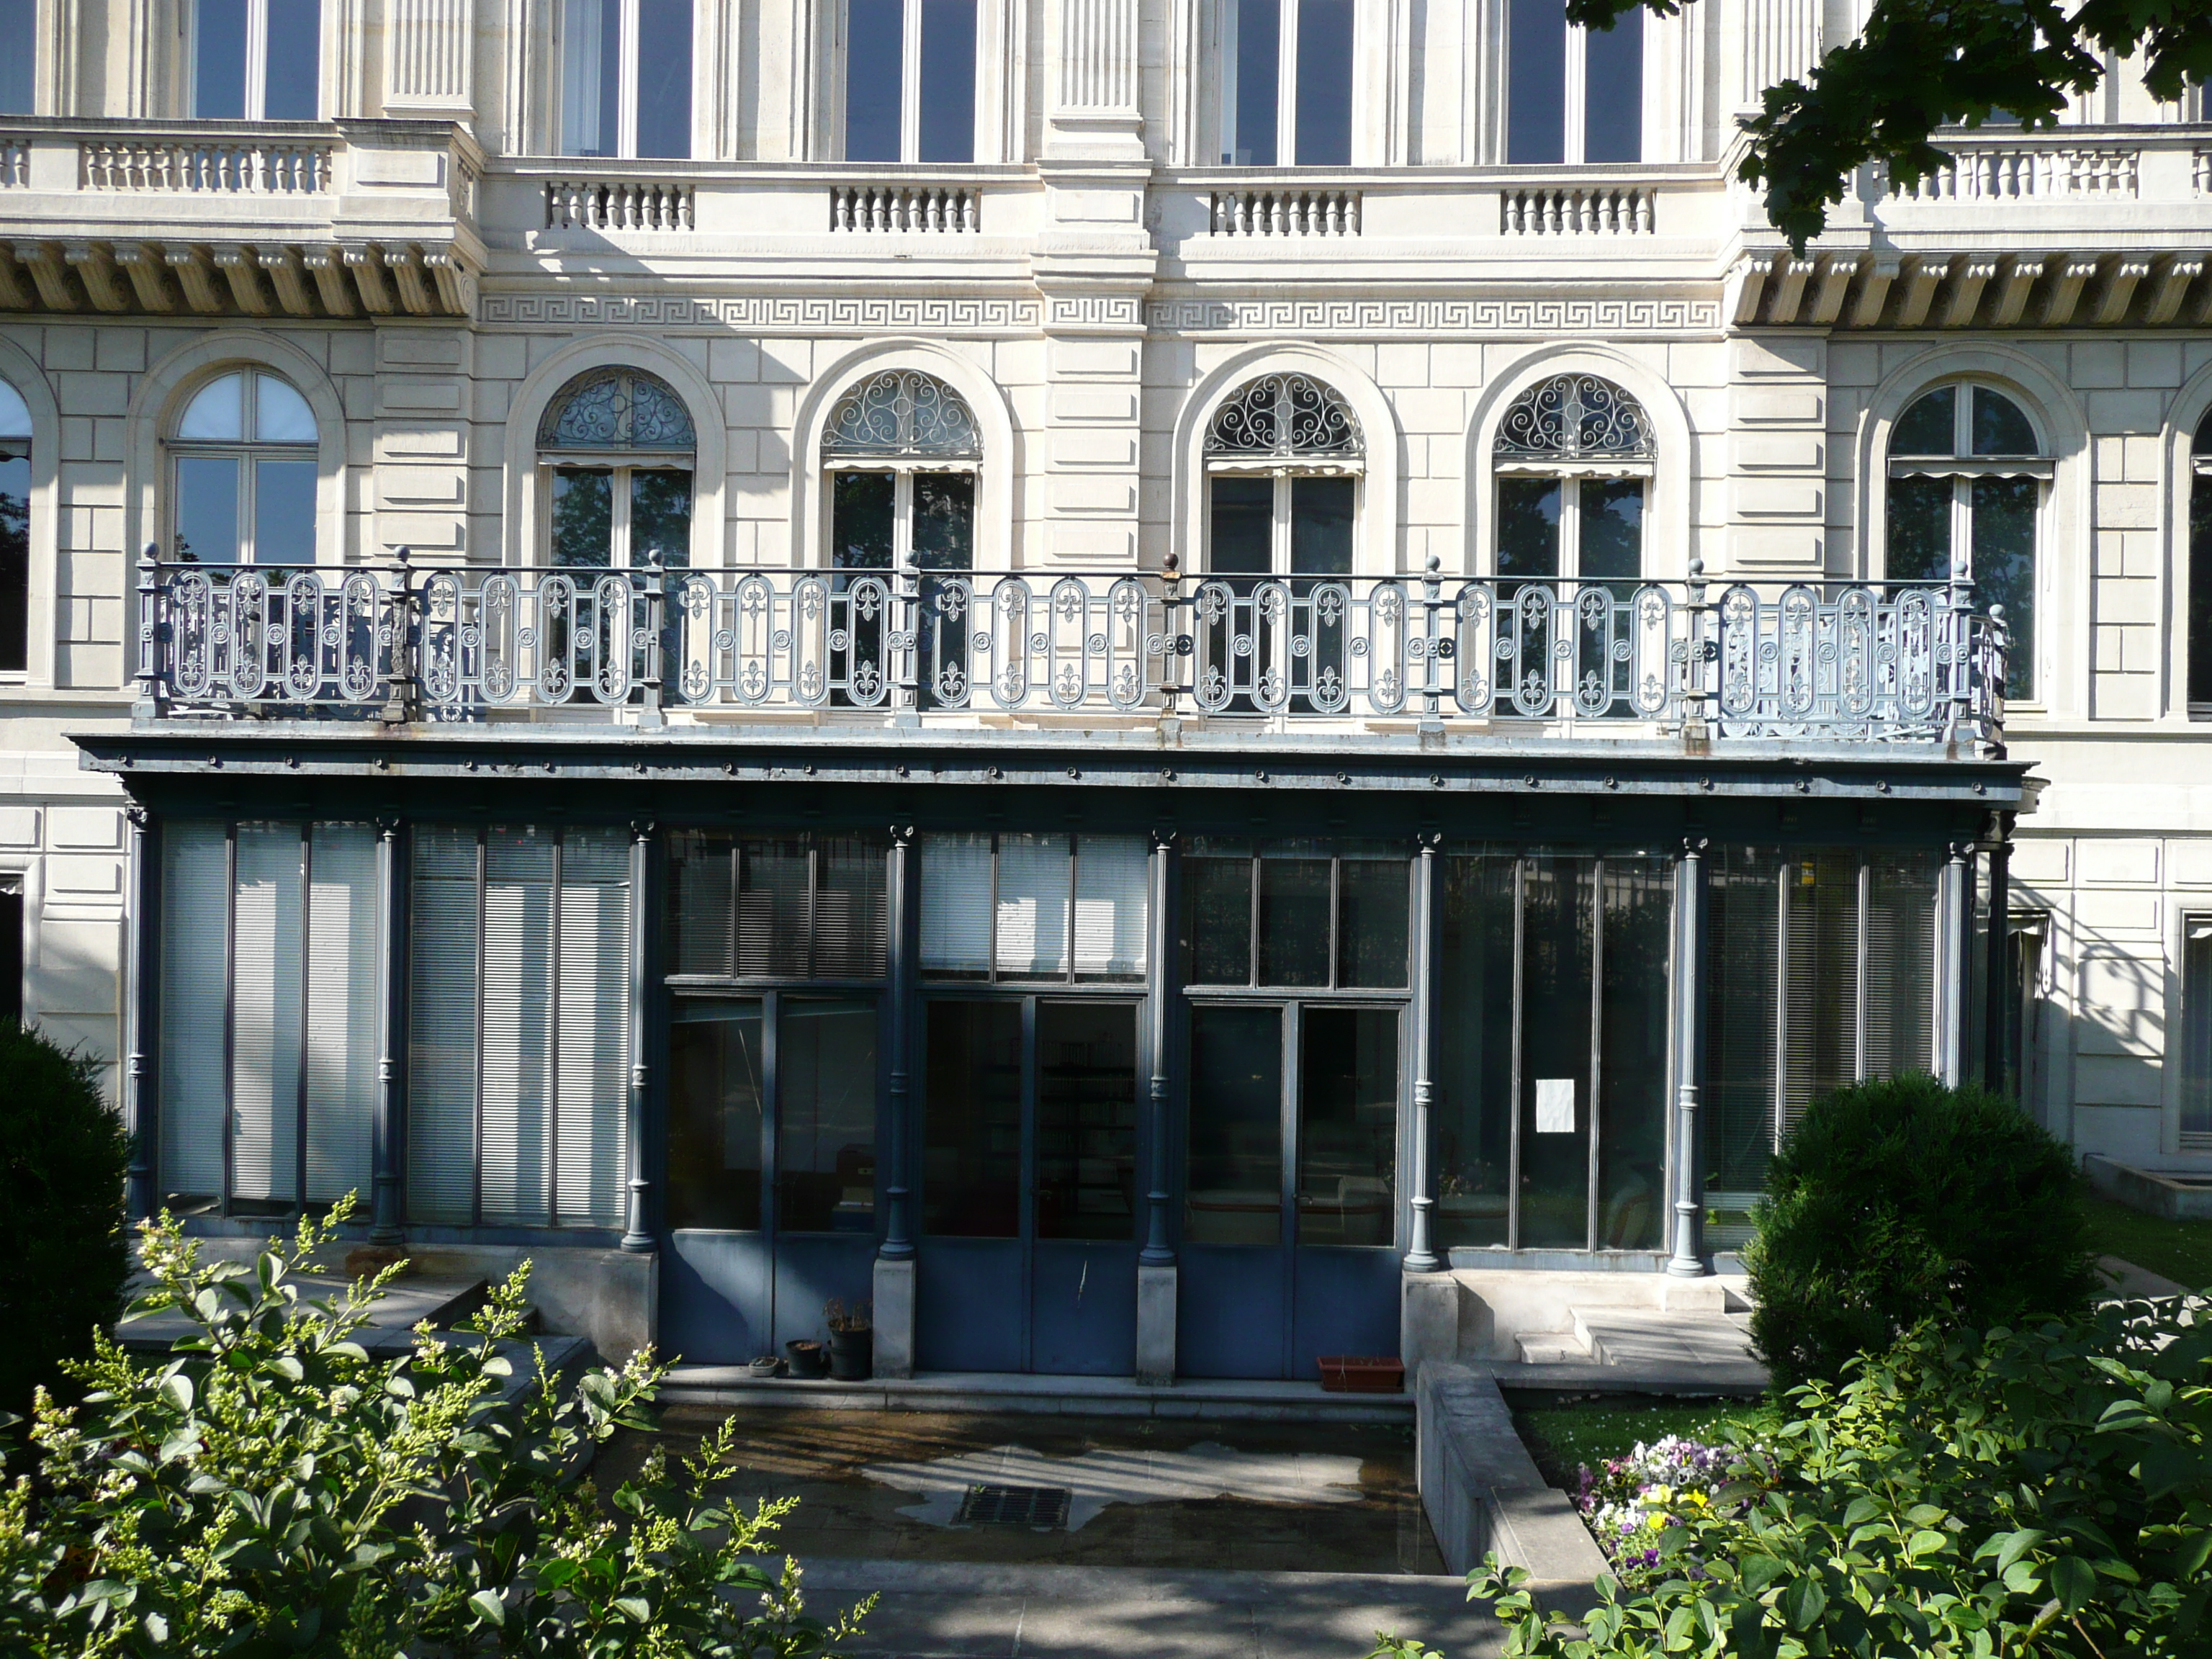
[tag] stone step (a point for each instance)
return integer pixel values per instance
(1552, 1348)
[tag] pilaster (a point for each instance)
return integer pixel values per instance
(1778, 489)
(429, 48)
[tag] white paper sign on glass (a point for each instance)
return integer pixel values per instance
(1555, 1105)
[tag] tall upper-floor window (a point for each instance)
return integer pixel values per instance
(1283, 459)
(15, 531)
(253, 60)
(1573, 457)
(1572, 94)
(1286, 80)
(243, 472)
(19, 57)
(909, 80)
(616, 448)
(902, 452)
(2200, 570)
(625, 70)
(1966, 477)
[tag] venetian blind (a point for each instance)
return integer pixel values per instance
(773, 923)
(1032, 901)
(195, 905)
(343, 998)
(442, 1026)
(265, 998)
(1111, 877)
(1744, 926)
(851, 933)
(592, 1008)
(1901, 1035)
(955, 905)
(515, 1118)
(1820, 1001)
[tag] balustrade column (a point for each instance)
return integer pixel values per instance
(385, 1205)
(1688, 1260)
(1420, 1255)
(636, 1237)
(141, 1102)
(893, 1278)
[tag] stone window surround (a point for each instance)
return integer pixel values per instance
(23, 374)
(2190, 408)
(1001, 83)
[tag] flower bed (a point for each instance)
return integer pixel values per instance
(1629, 1502)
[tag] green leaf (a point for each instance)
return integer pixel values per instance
(489, 1607)
(2073, 1582)
(635, 1607)
(177, 1389)
(554, 1574)
(1803, 1603)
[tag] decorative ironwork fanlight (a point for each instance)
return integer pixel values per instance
(1284, 419)
(1575, 417)
(902, 414)
(616, 409)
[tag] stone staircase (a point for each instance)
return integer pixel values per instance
(1637, 1345)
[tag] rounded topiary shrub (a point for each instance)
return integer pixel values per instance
(1893, 1199)
(64, 1257)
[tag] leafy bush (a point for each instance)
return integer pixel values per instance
(272, 1489)
(1891, 1199)
(62, 1256)
(2040, 1492)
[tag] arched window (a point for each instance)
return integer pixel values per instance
(1283, 459)
(243, 482)
(15, 531)
(1573, 459)
(1966, 474)
(2199, 571)
(615, 448)
(902, 452)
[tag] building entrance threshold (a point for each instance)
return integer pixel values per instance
(994, 1391)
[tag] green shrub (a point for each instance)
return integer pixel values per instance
(2026, 1494)
(1891, 1199)
(63, 1257)
(273, 1490)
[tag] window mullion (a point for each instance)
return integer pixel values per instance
(257, 60)
(618, 487)
(626, 68)
(902, 519)
(1571, 528)
(1962, 527)
(1574, 96)
(910, 83)
(1286, 85)
(1278, 527)
(247, 552)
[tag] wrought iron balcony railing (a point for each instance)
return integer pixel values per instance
(1850, 661)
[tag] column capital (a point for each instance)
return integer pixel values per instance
(901, 835)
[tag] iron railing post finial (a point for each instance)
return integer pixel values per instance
(400, 681)
(1958, 633)
(1432, 606)
(1698, 649)
(1172, 643)
(646, 639)
(906, 602)
(147, 704)
(1995, 673)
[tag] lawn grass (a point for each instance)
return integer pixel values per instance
(2180, 1250)
(1564, 1433)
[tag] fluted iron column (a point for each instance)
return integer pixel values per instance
(385, 1205)
(637, 1235)
(1688, 1260)
(141, 1102)
(1421, 1256)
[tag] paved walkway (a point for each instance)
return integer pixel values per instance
(960, 1610)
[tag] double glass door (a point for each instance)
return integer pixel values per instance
(1031, 1203)
(771, 1177)
(1289, 1225)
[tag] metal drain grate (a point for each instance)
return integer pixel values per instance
(1042, 1508)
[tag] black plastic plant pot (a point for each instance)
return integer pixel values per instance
(852, 1355)
(808, 1359)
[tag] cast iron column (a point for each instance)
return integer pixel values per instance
(1420, 1255)
(1688, 1260)
(384, 1197)
(142, 1112)
(1159, 993)
(898, 1241)
(1996, 1015)
(636, 1235)
(1956, 919)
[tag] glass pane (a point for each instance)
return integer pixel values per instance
(1113, 890)
(1294, 904)
(664, 77)
(945, 520)
(1034, 872)
(1613, 92)
(591, 68)
(1639, 913)
(773, 917)
(1372, 894)
(215, 414)
(661, 517)
(1243, 527)
(875, 49)
(2200, 591)
(15, 413)
(948, 80)
(1743, 919)
(15, 562)
(1254, 30)
(715, 1104)
(1900, 963)
(956, 906)
(699, 902)
(1555, 1052)
(2000, 428)
(280, 415)
(850, 917)
(583, 517)
(1930, 427)
(1216, 924)
(1820, 1005)
(1348, 1126)
(219, 60)
(1321, 525)
(971, 1139)
(1086, 1121)
(862, 508)
(1234, 1164)
(2195, 1021)
(284, 511)
(1535, 103)
(1528, 527)
(19, 38)
(825, 1149)
(1612, 529)
(1472, 1117)
(1919, 548)
(207, 508)
(1324, 106)
(293, 72)
(2005, 569)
